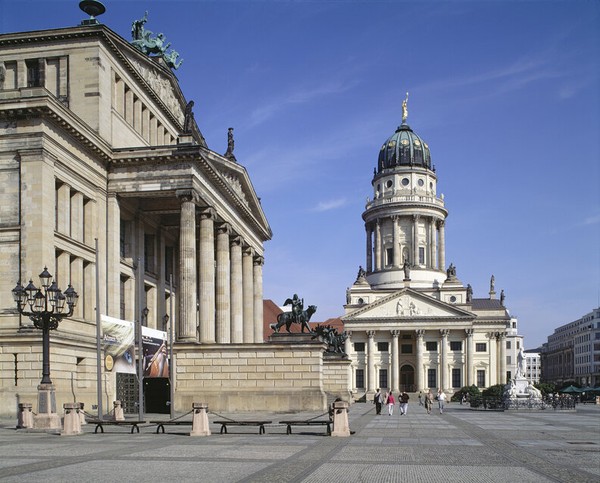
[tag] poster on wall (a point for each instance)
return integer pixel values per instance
(118, 343)
(156, 359)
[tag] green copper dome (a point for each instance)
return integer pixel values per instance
(404, 148)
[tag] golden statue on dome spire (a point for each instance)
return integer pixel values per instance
(405, 109)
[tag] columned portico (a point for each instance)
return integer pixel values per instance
(248, 294)
(237, 301)
(223, 292)
(258, 299)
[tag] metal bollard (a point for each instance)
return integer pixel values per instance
(200, 420)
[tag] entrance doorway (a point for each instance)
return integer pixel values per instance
(156, 395)
(407, 378)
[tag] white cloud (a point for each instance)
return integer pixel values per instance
(330, 205)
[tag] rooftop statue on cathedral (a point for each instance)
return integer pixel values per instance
(143, 41)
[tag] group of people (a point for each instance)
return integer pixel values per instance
(426, 400)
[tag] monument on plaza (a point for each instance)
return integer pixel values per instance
(519, 392)
(298, 315)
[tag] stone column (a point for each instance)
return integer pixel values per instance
(470, 350)
(350, 369)
(63, 209)
(223, 292)
(431, 244)
(258, 300)
(377, 246)
(206, 277)
(187, 267)
(371, 384)
(419, 334)
(442, 246)
(248, 294)
(397, 256)
(369, 248)
(416, 240)
(493, 369)
(502, 357)
(395, 361)
(237, 316)
(444, 358)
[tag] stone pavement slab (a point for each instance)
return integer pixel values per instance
(459, 446)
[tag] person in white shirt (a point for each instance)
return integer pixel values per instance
(441, 398)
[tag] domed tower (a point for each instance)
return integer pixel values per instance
(404, 221)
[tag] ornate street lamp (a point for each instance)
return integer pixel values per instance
(45, 307)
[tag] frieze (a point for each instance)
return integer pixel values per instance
(162, 87)
(236, 186)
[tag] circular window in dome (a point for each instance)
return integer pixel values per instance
(453, 299)
(391, 144)
(405, 182)
(421, 182)
(417, 142)
(404, 142)
(389, 183)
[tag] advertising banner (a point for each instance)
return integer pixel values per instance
(118, 343)
(156, 359)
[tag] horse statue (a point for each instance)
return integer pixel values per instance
(329, 335)
(289, 318)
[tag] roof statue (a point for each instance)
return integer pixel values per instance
(405, 109)
(188, 119)
(492, 284)
(143, 41)
(230, 145)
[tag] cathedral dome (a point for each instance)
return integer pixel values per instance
(404, 148)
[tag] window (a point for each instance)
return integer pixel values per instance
(508, 344)
(518, 344)
(431, 378)
(480, 347)
(383, 378)
(508, 360)
(421, 255)
(480, 378)
(456, 345)
(431, 347)
(456, 382)
(382, 347)
(406, 348)
(360, 378)
(33, 73)
(359, 347)
(149, 246)
(389, 256)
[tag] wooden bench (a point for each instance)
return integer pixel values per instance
(161, 425)
(100, 423)
(307, 422)
(260, 424)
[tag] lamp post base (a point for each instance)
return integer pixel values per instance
(46, 418)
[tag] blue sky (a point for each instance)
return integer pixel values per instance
(506, 94)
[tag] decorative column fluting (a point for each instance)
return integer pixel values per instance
(371, 361)
(369, 248)
(187, 267)
(470, 349)
(396, 238)
(258, 299)
(248, 294)
(395, 361)
(416, 240)
(237, 301)
(442, 246)
(377, 246)
(444, 358)
(207, 276)
(223, 289)
(419, 335)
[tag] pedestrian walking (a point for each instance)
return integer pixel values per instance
(428, 401)
(420, 398)
(390, 403)
(403, 403)
(441, 398)
(378, 400)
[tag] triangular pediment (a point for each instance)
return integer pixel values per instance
(408, 304)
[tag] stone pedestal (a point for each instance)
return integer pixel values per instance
(118, 414)
(46, 418)
(25, 416)
(200, 420)
(341, 428)
(72, 423)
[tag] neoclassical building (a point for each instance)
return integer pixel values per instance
(99, 150)
(413, 324)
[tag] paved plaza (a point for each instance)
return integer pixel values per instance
(459, 446)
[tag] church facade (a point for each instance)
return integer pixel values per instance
(412, 324)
